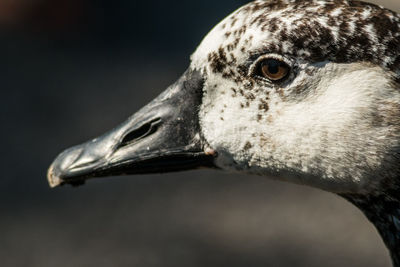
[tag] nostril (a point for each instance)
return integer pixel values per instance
(139, 133)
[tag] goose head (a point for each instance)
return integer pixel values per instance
(301, 91)
(306, 91)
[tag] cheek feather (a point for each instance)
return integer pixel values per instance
(327, 134)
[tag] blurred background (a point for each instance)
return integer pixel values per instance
(73, 69)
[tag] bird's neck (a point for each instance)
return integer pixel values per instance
(384, 212)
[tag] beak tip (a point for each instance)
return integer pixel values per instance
(54, 180)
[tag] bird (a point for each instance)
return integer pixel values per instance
(307, 92)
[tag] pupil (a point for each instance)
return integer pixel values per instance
(273, 67)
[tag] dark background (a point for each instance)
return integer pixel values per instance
(72, 69)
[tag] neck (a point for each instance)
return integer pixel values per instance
(384, 212)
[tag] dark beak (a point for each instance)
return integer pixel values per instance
(163, 136)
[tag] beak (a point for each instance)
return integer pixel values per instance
(163, 136)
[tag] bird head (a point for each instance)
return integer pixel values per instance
(303, 91)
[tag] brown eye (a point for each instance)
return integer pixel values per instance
(273, 69)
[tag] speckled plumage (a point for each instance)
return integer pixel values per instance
(334, 123)
(336, 30)
(336, 80)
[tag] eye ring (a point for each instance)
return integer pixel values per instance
(272, 69)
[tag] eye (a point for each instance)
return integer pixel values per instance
(273, 69)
